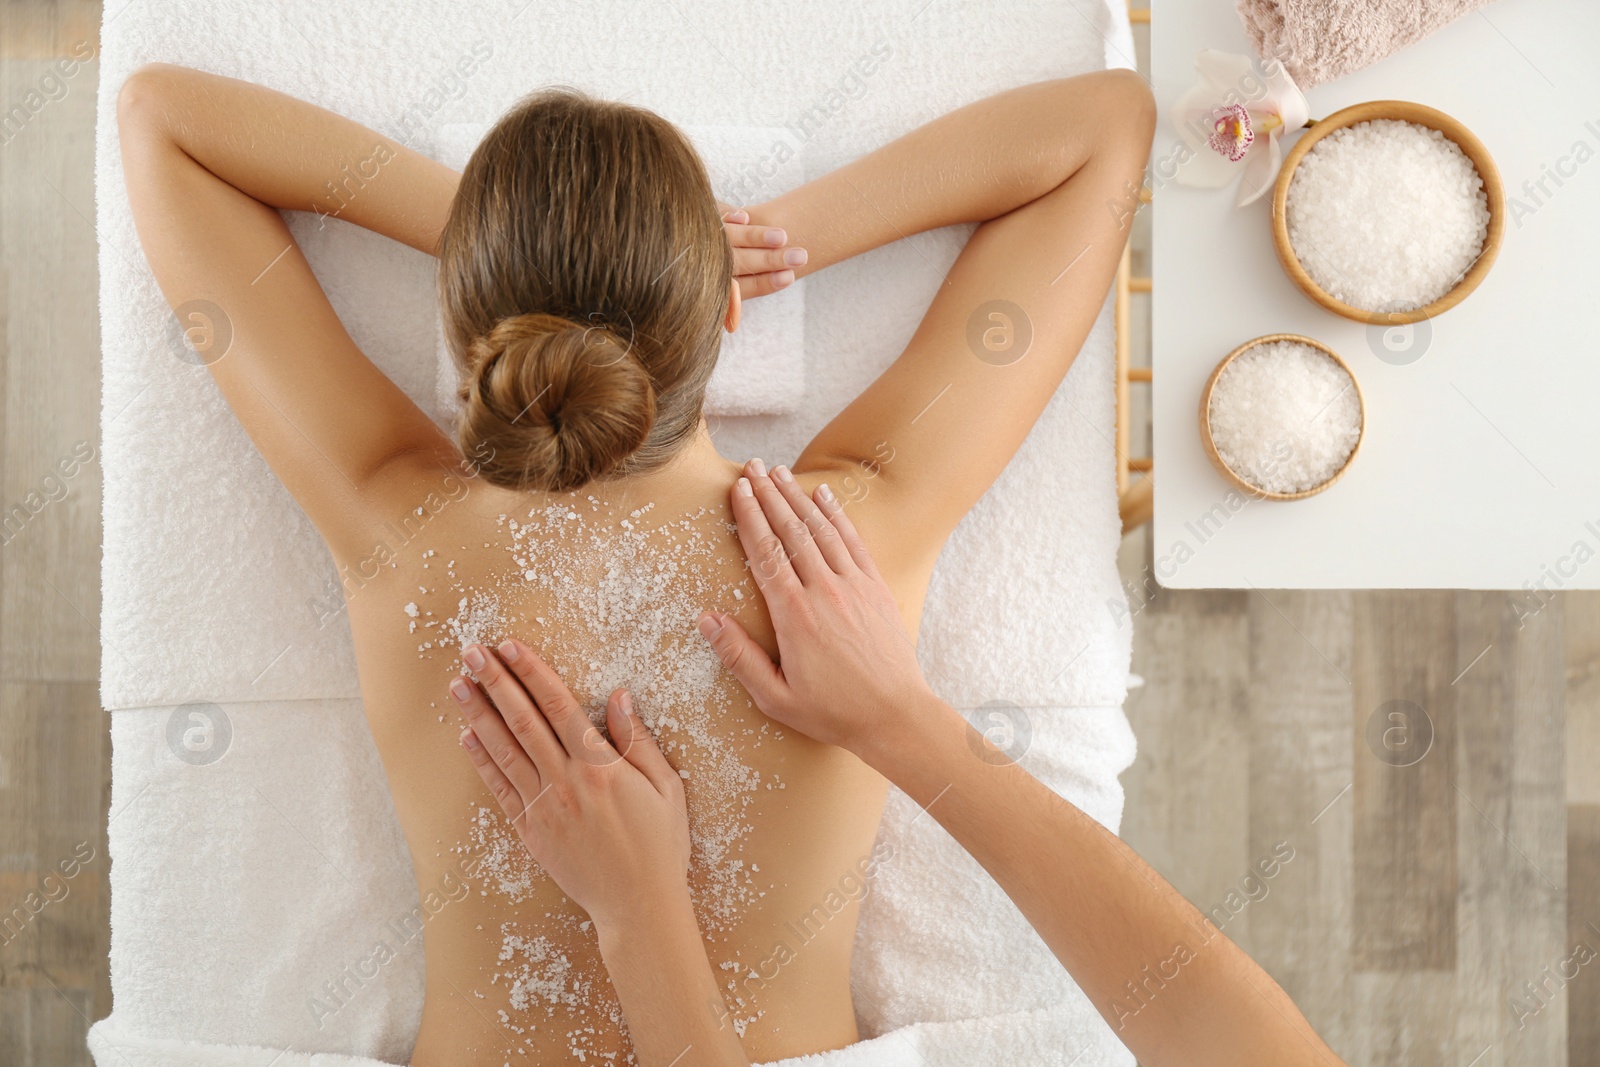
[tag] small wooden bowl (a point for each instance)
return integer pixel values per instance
(1404, 111)
(1237, 480)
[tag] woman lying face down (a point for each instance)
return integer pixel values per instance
(586, 274)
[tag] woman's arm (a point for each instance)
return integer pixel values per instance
(1175, 990)
(1043, 168)
(611, 828)
(208, 162)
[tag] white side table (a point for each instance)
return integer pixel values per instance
(1481, 463)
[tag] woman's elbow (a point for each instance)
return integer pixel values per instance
(145, 101)
(1131, 105)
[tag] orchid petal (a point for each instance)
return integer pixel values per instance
(1191, 115)
(1285, 97)
(1260, 170)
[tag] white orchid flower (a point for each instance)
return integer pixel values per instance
(1232, 121)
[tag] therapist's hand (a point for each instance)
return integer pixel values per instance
(606, 821)
(847, 671)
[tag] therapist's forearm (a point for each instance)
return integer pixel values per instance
(657, 961)
(1173, 988)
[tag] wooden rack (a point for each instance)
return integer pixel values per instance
(1134, 498)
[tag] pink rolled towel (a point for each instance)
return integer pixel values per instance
(1320, 40)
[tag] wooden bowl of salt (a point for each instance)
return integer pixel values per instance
(1282, 417)
(1388, 212)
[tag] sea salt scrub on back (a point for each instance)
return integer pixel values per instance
(1284, 417)
(1387, 215)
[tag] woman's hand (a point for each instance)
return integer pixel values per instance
(607, 822)
(847, 673)
(760, 261)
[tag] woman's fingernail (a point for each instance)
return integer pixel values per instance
(775, 238)
(625, 704)
(795, 257)
(708, 626)
(508, 651)
(783, 279)
(469, 740)
(475, 658)
(739, 217)
(461, 689)
(781, 473)
(758, 468)
(825, 493)
(744, 487)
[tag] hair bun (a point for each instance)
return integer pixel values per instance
(552, 404)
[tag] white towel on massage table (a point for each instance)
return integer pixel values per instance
(217, 589)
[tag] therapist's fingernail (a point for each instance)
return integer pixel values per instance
(783, 279)
(475, 658)
(469, 740)
(795, 257)
(461, 689)
(758, 468)
(739, 217)
(709, 626)
(775, 238)
(508, 651)
(744, 487)
(625, 704)
(781, 473)
(824, 493)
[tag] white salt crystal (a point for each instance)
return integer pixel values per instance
(1387, 215)
(411, 609)
(1284, 417)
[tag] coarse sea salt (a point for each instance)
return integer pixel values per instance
(1387, 215)
(629, 597)
(1284, 417)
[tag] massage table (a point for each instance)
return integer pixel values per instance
(256, 859)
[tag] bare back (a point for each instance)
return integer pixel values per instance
(608, 592)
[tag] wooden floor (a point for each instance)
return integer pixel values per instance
(1442, 905)
(55, 751)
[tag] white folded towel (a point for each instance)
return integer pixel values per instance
(761, 369)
